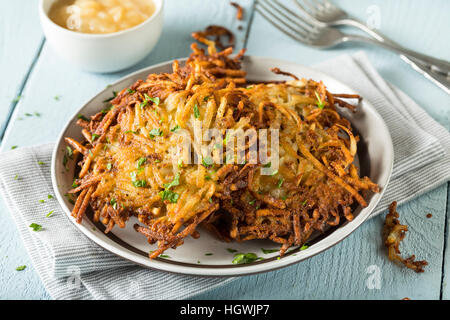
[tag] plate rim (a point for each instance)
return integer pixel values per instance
(240, 270)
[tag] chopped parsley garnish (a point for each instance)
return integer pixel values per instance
(113, 202)
(175, 182)
(155, 100)
(267, 165)
(274, 173)
(108, 166)
(320, 103)
(109, 99)
(231, 250)
(41, 201)
(175, 128)
(207, 161)
(141, 161)
(21, 268)
(74, 184)
(130, 91)
(49, 214)
(69, 198)
(36, 227)
(280, 182)
(164, 256)
(16, 99)
(208, 254)
(206, 98)
(94, 136)
(28, 114)
(155, 132)
(80, 116)
(13, 147)
(69, 152)
(241, 258)
(37, 114)
(196, 111)
(267, 251)
(57, 98)
(304, 202)
(16, 177)
(167, 194)
(252, 202)
(305, 246)
(41, 163)
(130, 131)
(137, 183)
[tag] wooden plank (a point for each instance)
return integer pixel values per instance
(52, 77)
(341, 272)
(20, 42)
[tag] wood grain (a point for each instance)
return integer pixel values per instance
(339, 273)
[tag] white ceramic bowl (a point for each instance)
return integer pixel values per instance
(375, 159)
(103, 52)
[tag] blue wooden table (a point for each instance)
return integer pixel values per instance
(33, 79)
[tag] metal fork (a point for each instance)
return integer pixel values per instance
(327, 14)
(317, 34)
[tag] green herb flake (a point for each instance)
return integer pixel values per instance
(108, 166)
(267, 165)
(207, 161)
(13, 147)
(304, 247)
(196, 111)
(36, 227)
(242, 258)
(231, 250)
(320, 103)
(137, 183)
(280, 182)
(156, 132)
(94, 136)
(141, 161)
(49, 214)
(175, 128)
(57, 98)
(16, 177)
(41, 201)
(252, 202)
(82, 117)
(267, 251)
(175, 182)
(113, 202)
(165, 256)
(21, 268)
(169, 195)
(16, 99)
(130, 91)
(208, 254)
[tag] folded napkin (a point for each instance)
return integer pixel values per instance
(73, 267)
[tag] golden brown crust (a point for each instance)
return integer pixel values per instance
(394, 233)
(127, 166)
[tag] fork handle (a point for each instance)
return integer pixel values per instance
(435, 64)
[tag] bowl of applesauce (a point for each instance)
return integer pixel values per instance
(102, 35)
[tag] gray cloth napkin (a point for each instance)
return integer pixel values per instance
(73, 267)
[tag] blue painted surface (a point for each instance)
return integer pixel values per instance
(339, 273)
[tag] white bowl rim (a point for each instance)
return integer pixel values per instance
(334, 238)
(101, 35)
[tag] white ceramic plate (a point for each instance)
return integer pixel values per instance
(375, 155)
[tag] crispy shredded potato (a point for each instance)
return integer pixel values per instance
(394, 233)
(127, 166)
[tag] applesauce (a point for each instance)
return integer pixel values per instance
(100, 16)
